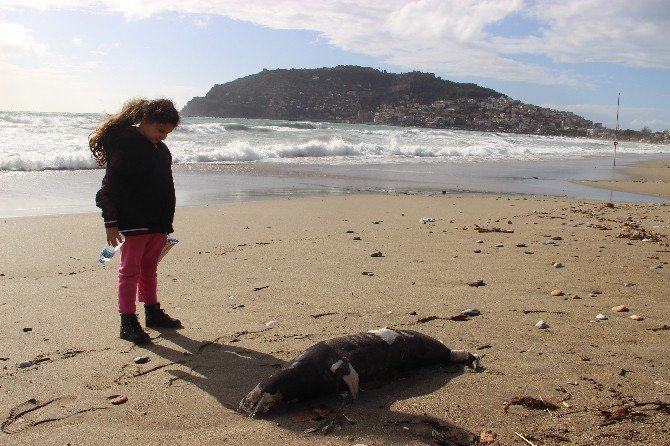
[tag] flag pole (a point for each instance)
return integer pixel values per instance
(616, 130)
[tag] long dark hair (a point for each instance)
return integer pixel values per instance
(161, 111)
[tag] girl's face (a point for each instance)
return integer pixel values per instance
(155, 131)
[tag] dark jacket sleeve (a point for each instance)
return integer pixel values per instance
(108, 197)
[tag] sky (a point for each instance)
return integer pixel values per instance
(573, 55)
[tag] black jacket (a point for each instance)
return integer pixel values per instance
(137, 192)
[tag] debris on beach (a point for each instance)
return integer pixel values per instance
(449, 436)
(487, 436)
(356, 238)
(141, 360)
(499, 245)
(368, 273)
(541, 324)
(270, 324)
(27, 329)
(471, 312)
(620, 309)
(520, 245)
(118, 399)
(599, 226)
(601, 317)
(425, 220)
(318, 315)
(557, 293)
(634, 231)
(635, 317)
(479, 241)
(557, 265)
(529, 402)
(656, 266)
(24, 364)
(477, 283)
(377, 254)
(327, 419)
(423, 320)
(627, 412)
(481, 229)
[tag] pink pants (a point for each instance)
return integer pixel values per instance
(138, 270)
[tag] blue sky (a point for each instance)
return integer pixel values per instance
(575, 55)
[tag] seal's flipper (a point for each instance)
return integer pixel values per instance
(344, 371)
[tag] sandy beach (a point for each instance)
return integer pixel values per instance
(239, 266)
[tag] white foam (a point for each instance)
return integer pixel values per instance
(43, 141)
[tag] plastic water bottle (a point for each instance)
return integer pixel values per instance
(108, 252)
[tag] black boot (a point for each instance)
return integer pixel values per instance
(132, 331)
(155, 316)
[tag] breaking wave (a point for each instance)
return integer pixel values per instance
(59, 141)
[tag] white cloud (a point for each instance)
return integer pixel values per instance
(449, 36)
(104, 48)
(633, 118)
(16, 39)
(621, 32)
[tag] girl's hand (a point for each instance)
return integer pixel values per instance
(114, 237)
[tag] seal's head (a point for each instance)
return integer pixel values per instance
(258, 402)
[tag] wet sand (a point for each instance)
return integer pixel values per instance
(647, 177)
(294, 261)
(71, 191)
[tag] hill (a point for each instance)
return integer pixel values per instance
(360, 94)
(326, 94)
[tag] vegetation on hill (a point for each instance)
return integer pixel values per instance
(331, 94)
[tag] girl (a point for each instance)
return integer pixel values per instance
(137, 199)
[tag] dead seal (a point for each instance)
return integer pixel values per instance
(358, 357)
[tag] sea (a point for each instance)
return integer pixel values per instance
(46, 166)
